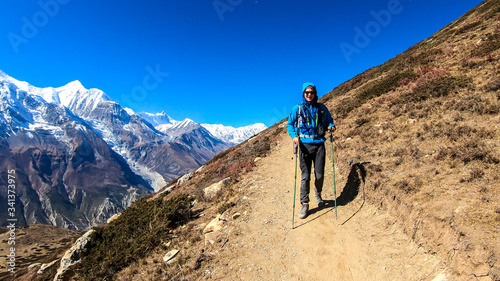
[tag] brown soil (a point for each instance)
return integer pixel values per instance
(34, 244)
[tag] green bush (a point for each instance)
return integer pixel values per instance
(491, 44)
(468, 151)
(489, 9)
(467, 27)
(439, 87)
(372, 90)
(140, 229)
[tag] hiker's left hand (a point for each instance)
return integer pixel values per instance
(332, 129)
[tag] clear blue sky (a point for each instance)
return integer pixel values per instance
(231, 62)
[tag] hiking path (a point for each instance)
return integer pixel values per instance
(363, 242)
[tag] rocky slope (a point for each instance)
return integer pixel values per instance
(53, 153)
(417, 165)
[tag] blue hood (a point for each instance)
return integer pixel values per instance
(315, 100)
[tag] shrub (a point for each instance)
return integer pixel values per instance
(454, 133)
(476, 104)
(372, 90)
(411, 185)
(493, 85)
(489, 9)
(467, 27)
(491, 44)
(471, 150)
(352, 83)
(226, 206)
(139, 229)
(383, 85)
(347, 105)
(404, 185)
(361, 121)
(475, 173)
(439, 87)
(426, 57)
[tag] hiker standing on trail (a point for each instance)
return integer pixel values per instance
(307, 125)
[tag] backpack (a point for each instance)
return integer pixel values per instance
(320, 116)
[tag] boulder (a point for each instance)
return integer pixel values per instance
(212, 190)
(212, 229)
(114, 217)
(31, 266)
(72, 256)
(184, 178)
(166, 190)
(45, 266)
(215, 225)
(200, 169)
(210, 238)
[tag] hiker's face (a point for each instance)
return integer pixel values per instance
(309, 94)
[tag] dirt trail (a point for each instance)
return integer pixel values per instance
(260, 245)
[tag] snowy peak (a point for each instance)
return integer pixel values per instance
(78, 99)
(186, 123)
(226, 134)
(3, 75)
(72, 86)
(156, 119)
(178, 127)
(23, 86)
(233, 135)
(73, 95)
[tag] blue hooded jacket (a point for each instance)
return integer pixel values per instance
(307, 126)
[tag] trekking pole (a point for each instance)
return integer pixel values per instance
(295, 149)
(333, 169)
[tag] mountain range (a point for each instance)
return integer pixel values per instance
(80, 157)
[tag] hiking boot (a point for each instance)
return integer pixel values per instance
(319, 200)
(303, 211)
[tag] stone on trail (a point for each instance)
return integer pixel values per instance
(212, 190)
(170, 255)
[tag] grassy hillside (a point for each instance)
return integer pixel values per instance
(427, 121)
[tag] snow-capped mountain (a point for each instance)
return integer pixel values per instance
(81, 157)
(58, 162)
(156, 119)
(233, 135)
(230, 135)
(131, 135)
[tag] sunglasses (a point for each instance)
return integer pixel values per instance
(309, 93)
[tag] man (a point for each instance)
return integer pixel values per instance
(307, 125)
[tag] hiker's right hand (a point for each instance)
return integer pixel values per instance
(296, 141)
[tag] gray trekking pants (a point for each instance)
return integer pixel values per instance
(311, 153)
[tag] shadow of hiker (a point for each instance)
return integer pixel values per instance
(357, 175)
(351, 190)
